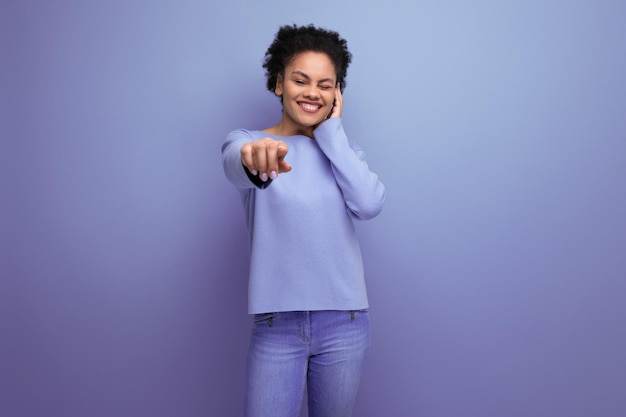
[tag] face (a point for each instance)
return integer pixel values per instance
(308, 90)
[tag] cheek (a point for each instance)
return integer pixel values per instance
(329, 97)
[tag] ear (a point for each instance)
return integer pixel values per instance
(279, 85)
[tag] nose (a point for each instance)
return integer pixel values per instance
(312, 92)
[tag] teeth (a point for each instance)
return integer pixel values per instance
(309, 107)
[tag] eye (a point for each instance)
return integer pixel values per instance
(325, 87)
(299, 82)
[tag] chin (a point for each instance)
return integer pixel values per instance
(308, 121)
(312, 123)
(304, 119)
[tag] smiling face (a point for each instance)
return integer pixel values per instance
(307, 87)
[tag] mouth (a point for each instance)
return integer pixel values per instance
(309, 107)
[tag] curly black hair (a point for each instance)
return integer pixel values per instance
(291, 40)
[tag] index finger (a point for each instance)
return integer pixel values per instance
(338, 103)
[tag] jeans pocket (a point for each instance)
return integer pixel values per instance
(353, 313)
(266, 319)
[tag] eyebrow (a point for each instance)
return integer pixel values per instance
(302, 74)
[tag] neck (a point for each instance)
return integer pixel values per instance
(287, 127)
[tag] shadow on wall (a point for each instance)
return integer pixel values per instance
(228, 250)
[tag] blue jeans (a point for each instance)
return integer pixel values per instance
(322, 350)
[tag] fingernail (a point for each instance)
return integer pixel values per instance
(264, 177)
(254, 172)
(273, 175)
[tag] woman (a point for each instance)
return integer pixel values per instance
(306, 284)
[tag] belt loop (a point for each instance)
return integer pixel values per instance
(351, 314)
(270, 321)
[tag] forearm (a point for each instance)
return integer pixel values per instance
(363, 192)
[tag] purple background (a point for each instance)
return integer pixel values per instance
(496, 270)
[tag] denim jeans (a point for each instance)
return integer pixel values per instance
(323, 351)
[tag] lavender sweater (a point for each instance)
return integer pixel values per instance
(304, 250)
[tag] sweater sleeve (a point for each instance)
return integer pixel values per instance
(234, 169)
(363, 192)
